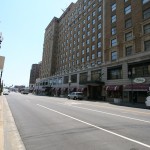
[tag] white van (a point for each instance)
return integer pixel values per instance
(5, 92)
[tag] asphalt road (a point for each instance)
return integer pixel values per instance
(48, 123)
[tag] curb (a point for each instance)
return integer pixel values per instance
(1, 125)
(11, 136)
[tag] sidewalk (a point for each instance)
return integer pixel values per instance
(1, 125)
(9, 134)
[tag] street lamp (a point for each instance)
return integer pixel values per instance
(69, 83)
(131, 76)
(1, 38)
(1, 83)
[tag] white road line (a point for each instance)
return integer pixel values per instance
(112, 114)
(127, 110)
(121, 136)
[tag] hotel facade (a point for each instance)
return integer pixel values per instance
(99, 47)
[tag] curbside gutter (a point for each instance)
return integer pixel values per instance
(11, 136)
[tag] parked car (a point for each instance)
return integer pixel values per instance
(76, 95)
(147, 102)
(5, 92)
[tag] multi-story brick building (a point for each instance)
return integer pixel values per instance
(95, 46)
(34, 74)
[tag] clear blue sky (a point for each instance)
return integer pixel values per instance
(23, 23)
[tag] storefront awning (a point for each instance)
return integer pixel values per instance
(65, 89)
(58, 89)
(82, 89)
(73, 89)
(113, 87)
(137, 87)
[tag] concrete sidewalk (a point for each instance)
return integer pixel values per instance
(9, 134)
(1, 125)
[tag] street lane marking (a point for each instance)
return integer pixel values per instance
(147, 113)
(71, 103)
(113, 133)
(113, 114)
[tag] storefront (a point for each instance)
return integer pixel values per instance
(136, 93)
(113, 92)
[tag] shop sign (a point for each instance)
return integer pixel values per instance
(139, 80)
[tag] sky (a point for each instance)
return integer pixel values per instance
(23, 23)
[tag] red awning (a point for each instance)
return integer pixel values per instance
(83, 89)
(58, 89)
(140, 87)
(113, 87)
(64, 89)
(73, 89)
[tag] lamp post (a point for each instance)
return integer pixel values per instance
(1, 38)
(131, 76)
(69, 83)
(1, 85)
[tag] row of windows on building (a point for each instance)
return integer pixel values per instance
(78, 10)
(128, 37)
(114, 55)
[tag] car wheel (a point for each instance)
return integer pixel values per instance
(68, 97)
(75, 98)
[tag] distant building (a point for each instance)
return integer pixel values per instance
(100, 47)
(34, 74)
(18, 88)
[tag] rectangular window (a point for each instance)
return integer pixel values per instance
(93, 38)
(99, 44)
(96, 75)
(114, 56)
(93, 47)
(146, 28)
(100, 9)
(113, 31)
(88, 41)
(99, 17)
(99, 54)
(147, 45)
(87, 58)
(83, 77)
(93, 13)
(146, 13)
(114, 73)
(127, 10)
(87, 50)
(113, 42)
(82, 52)
(99, 26)
(128, 50)
(82, 60)
(74, 78)
(145, 1)
(93, 56)
(113, 19)
(128, 36)
(99, 35)
(113, 7)
(93, 21)
(93, 30)
(128, 23)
